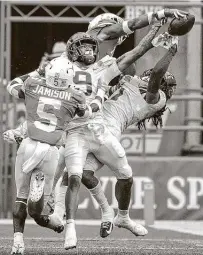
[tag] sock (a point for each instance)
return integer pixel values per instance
(101, 199)
(60, 193)
(70, 230)
(70, 221)
(123, 213)
(18, 237)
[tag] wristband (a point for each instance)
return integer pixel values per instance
(88, 112)
(126, 28)
(96, 101)
(100, 95)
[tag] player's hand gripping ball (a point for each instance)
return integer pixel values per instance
(181, 26)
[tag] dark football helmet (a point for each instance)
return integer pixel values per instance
(82, 48)
(168, 83)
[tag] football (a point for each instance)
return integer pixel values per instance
(181, 26)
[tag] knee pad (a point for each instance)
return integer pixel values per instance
(20, 209)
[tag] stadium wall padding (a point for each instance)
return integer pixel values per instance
(178, 184)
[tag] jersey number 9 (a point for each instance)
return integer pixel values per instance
(83, 81)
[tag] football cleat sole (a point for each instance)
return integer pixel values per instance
(37, 189)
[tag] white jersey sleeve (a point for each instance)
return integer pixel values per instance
(17, 86)
(108, 70)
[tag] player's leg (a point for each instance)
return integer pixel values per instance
(113, 155)
(42, 191)
(60, 167)
(93, 184)
(76, 150)
(53, 206)
(22, 181)
(88, 179)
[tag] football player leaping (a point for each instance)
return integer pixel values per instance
(111, 30)
(87, 136)
(50, 103)
(135, 100)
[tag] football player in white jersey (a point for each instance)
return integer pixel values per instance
(136, 99)
(125, 107)
(111, 30)
(87, 136)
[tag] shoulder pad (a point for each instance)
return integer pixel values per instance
(34, 74)
(35, 80)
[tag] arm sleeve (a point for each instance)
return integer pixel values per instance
(17, 86)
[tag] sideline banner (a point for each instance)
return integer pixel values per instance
(178, 189)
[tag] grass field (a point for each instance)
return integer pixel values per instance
(40, 241)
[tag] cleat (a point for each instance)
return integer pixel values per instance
(37, 189)
(106, 229)
(70, 244)
(70, 237)
(107, 223)
(125, 222)
(55, 223)
(18, 248)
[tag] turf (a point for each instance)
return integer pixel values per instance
(40, 241)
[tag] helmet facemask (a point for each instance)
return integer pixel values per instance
(168, 83)
(83, 50)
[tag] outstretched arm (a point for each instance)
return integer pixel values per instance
(158, 72)
(128, 27)
(145, 44)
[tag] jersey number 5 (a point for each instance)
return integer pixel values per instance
(45, 109)
(83, 82)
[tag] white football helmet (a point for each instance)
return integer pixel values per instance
(106, 19)
(59, 73)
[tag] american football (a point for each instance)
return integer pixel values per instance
(181, 26)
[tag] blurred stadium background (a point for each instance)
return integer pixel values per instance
(170, 158)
